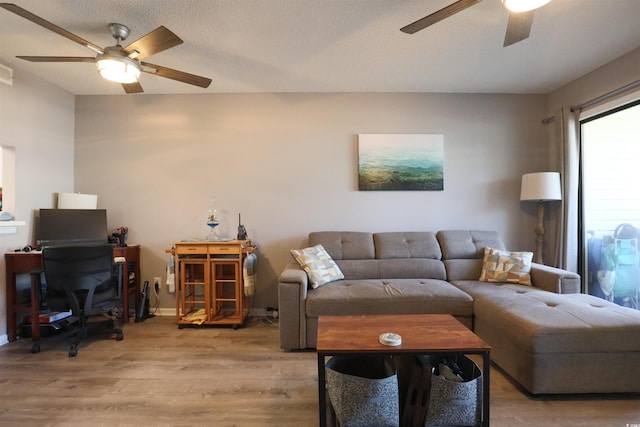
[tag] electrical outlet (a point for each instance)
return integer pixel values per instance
(156, 283)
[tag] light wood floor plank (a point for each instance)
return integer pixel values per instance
(160, 375)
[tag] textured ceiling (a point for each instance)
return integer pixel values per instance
(329, 45)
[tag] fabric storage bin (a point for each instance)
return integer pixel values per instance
(363, 391)
(455, 403)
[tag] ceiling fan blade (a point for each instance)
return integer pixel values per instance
(156, 41)
(49, 26)
(132, 87)
(438, 16)
(57, 58)
(180, 76)
(518, 28)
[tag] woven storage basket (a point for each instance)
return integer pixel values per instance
(456, 403)
(363, 391)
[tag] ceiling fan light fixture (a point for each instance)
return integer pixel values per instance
(118, 68)
(523, 5)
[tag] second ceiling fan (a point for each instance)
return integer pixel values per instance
(520, 17)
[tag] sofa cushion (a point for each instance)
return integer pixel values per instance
(411, 268)
(467, 244)
(345, 244)
(505, 266)
(393, 296)
(463, 269)
(319, 266)
(545, 322)
(396, 245)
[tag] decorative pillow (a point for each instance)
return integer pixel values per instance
(318, 264)
(504, 266)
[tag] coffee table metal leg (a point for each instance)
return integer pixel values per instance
(322, 394)
(486, 368)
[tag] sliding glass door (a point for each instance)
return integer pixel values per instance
(610, 191)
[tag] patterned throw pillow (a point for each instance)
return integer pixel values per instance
(318, 264)
(504, 266)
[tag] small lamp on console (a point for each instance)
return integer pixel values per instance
(540, 187)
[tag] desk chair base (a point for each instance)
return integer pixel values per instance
(82, 331)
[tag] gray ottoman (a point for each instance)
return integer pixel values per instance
(559, 343)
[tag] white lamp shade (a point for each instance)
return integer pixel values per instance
(523, 5)
(77, 201)
(541, 186)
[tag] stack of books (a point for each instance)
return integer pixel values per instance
(48, 316)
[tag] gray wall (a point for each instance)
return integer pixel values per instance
(37, 119)
(288, 163)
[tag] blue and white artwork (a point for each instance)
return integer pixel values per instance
(400, 162)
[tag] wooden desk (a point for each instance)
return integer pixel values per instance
(23, 262)
(16, 263)
(131, 286)
(421, 334)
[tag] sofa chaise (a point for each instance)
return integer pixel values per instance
(544, 334)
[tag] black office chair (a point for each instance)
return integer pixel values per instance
(85, 280)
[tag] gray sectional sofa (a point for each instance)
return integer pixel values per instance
(548, 337)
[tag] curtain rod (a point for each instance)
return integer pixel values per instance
(606, 96)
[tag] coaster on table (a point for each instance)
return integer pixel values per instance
(391, 339)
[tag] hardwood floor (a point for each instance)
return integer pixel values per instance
(164, 376)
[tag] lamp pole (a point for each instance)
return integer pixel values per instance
(539, 233)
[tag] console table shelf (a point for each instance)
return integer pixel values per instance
(210, 287)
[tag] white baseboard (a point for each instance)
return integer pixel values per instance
(164, 312)
(258, 312)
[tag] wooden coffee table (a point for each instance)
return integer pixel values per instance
(421, 334)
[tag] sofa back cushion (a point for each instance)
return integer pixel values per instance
(392, 255)
(407, 245)
(464, 244)
(343, 245)
(463, 269)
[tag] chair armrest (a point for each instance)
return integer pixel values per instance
(554, 279)
(292, 294)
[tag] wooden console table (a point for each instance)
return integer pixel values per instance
(23, 263)
(421, 334)
(209, 282)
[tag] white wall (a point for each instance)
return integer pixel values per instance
(288, 163)
(37, 119)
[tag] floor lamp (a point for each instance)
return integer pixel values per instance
(540, 187)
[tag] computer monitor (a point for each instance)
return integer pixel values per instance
(72, 226)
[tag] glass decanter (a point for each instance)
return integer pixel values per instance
(212, 221)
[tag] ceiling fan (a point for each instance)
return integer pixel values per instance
(116, 63)
(518, 28)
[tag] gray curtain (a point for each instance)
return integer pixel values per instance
(567, 142)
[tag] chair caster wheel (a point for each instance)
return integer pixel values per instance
(180, 326)
(235, 327)
(35, 348)
(73, 352)
(119, 337)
